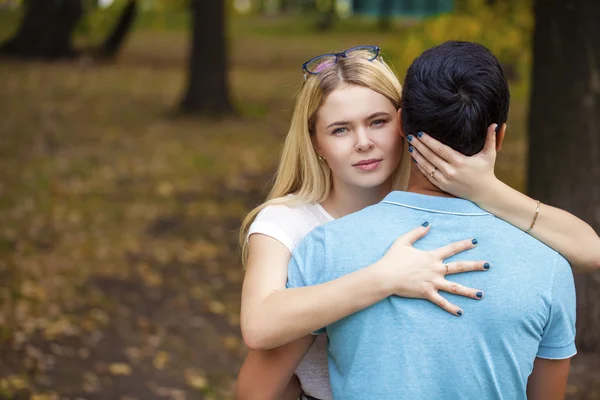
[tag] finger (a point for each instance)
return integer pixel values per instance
(411, 237)
(490, 139)
(458, 267)
(425, 166)
(441, 302)
(426, 152)
(445, 152)
(455, 248)
(456, 288)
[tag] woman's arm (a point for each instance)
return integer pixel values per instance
(272, 315)
(473, 178)
(269, 374)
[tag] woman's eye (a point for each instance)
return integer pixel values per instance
(339, 131)
(378, 122)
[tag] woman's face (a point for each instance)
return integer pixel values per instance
(357, 133)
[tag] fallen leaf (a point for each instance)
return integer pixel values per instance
(231, 342)
(196, 379)
(217, 307)
(161, 359)
(120, 369)
(44, 396)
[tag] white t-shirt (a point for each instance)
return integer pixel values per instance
(289, 225)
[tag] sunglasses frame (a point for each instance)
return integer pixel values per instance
(337, 56)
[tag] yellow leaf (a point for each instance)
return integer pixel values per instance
(44, 396)
(120, 369)
(149, 276)
(161, 359)
(165, 189)
(231, 342)
(217, 307)
(16, 382)
(196, 379)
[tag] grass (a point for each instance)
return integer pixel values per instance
(118, 221)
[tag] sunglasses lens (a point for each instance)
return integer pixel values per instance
(318, 64)
(366, 52)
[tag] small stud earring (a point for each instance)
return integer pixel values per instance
(321, 158)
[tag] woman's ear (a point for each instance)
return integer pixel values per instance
(315, 145)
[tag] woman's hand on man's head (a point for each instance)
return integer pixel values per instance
(468, 177)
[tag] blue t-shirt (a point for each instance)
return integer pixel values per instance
(411, 349)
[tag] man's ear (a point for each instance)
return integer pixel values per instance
(400, 125)
(500, 136)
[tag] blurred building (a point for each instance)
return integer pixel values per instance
(415, 8)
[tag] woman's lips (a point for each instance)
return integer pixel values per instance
(369, 165)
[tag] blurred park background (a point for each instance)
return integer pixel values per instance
(135, 135)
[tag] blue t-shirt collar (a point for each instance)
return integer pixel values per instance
(450, 205)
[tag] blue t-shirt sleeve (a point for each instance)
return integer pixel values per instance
(558, 338)
(308, 263)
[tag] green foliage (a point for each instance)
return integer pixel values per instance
(505, 28)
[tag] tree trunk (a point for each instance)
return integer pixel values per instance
(46, 30)
(207, 91)
(564, 126)
(385, 14)
(328, 20)
(115, 40)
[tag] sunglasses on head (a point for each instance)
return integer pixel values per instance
(324, 61)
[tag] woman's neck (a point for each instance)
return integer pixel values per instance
(343, 200)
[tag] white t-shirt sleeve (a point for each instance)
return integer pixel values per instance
(281, 223)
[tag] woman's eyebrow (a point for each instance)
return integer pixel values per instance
(338, 123)
(378, 114)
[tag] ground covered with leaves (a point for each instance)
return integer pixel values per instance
(118, 219)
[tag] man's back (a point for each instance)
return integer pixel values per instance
(410, 349)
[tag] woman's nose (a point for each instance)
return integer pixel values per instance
(363, 141)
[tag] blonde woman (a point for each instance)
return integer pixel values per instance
(344, 152)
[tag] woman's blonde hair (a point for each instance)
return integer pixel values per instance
(299, 171)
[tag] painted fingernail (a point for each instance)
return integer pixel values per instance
(459, 313)
(496, 128)
(420, 135)
(410, 149)
(425, 224)
(415, 161)
(486, 266)
(479, 295)
(409, 138)
(474, 241)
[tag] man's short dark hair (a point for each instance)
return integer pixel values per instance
(453, 92)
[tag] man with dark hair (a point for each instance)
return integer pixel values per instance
(454, 92)
(513, 344)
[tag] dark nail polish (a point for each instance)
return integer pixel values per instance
(486, 266)
(496, 128)
(479, 295)
(459, 313)
(425, 224)
(410, 149)
(474, 241)
(415, 161)
(420, 135)
(409, 138)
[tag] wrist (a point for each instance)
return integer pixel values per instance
(489, 192)
(379, 280)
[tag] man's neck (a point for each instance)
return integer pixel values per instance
(418, 183)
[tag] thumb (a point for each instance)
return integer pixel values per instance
(411, 237)
(490, 140)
